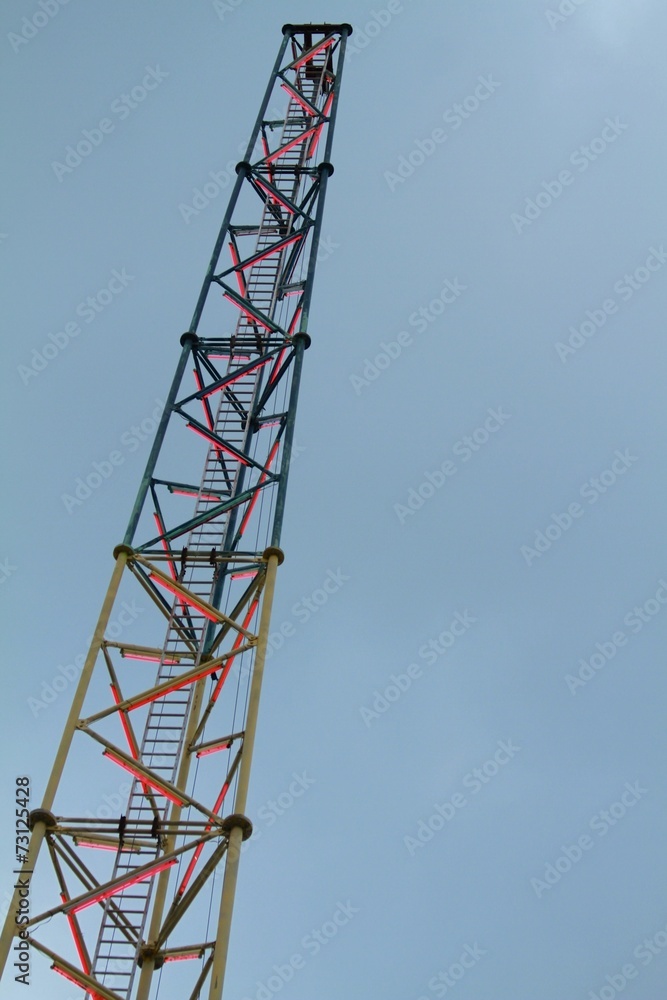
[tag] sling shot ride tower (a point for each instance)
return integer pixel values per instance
(137, 912)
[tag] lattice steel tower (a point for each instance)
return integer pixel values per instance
(132, 894)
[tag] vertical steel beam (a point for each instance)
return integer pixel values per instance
(274, 558)
(146, 978)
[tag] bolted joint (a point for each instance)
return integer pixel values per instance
(188, 338)
(325, 168)
(150, 952)
(229, 823)
(347, 28)
(42, 816)
(120, 549)
(273, 550)
(287, 29)
(302, 335)
(245, 168)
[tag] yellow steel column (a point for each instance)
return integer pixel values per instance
(39, 829)
(148, 967)
(274, 557)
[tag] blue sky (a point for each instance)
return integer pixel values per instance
(481, 467)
